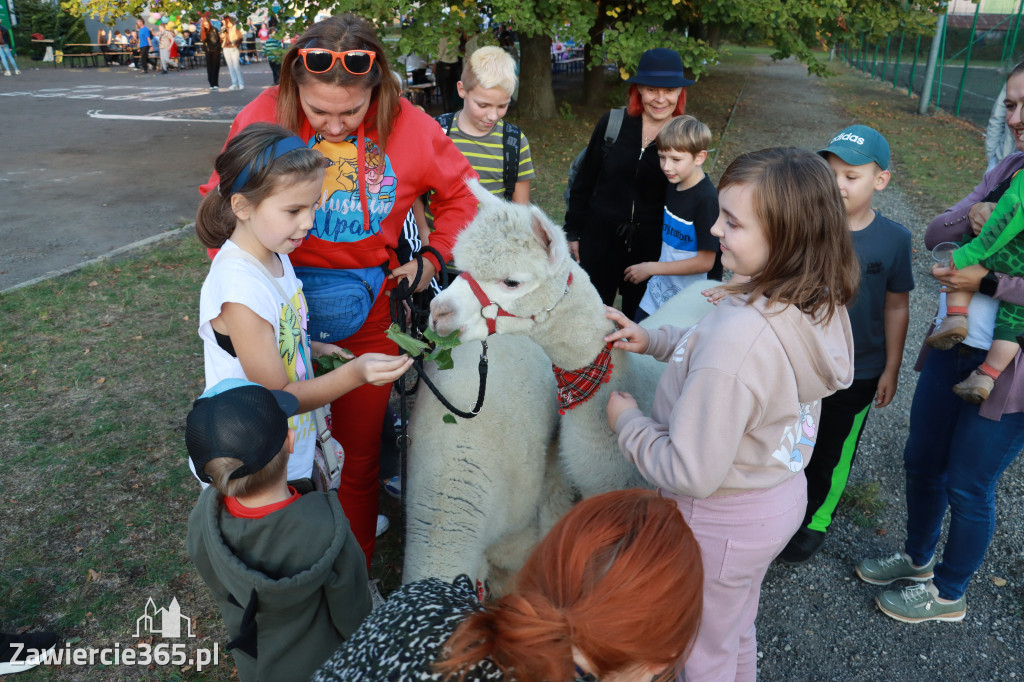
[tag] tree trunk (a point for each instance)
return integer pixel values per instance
(593, 76)
(536, 96)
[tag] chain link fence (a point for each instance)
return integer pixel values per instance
(975, 54)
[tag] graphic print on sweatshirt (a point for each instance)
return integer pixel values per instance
(339, 217)
(680, 352)
(798, 440)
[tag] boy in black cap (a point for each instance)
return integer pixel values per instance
(285, 570)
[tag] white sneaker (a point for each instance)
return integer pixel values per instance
(17, 73)
(382, 524)
(7, 73)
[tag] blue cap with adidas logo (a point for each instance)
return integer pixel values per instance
(858, 145)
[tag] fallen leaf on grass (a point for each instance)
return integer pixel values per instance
(998, 582)
(94, 283)
(93, 575)
(101, 381)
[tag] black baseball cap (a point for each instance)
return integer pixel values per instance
(239, 419)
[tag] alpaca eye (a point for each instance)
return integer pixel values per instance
(510, 283)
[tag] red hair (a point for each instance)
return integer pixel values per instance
(635, 106)
(619, 577)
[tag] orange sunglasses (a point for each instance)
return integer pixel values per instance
(320, 60)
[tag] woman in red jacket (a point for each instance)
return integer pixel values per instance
(338, 93)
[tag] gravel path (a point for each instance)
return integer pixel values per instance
(818, 621)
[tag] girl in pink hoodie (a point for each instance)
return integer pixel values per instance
(735, 413)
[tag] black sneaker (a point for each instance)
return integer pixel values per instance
(802, 546)
(19, 653)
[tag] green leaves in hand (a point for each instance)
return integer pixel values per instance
(441, 353)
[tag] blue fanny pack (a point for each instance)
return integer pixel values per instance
(339, 300)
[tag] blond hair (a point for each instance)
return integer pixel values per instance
(684, 134)
(220, 469)
(490, 67)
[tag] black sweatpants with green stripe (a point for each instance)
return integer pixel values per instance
(843, 415)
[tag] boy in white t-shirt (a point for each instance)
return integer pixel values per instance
(689, 252)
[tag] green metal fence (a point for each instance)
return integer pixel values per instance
(971, 67)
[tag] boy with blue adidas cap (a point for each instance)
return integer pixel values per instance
(285, 570)
(879, 316)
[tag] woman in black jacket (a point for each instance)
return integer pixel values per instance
(617, 199)
(209, 36)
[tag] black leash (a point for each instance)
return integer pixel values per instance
(404, 292)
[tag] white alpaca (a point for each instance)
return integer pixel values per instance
(481, 492)
(531, 287)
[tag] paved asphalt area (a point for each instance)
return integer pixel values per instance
(98, 158)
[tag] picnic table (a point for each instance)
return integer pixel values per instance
(90, 54)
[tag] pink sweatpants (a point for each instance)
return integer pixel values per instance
(739, 536)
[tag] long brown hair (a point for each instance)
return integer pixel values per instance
(619, 577)
(340, 33)
(215, 221)
(811, 261)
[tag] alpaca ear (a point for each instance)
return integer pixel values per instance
(549, 237)
(485, 198)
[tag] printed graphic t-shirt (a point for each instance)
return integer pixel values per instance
(686, 229)
(232, 280)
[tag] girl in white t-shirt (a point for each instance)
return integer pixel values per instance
(253, 328)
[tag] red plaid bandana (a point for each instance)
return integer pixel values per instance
(579, 385)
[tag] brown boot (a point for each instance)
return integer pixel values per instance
(952, 331)
(975, 388)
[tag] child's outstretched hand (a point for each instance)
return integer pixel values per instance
(630, 336)
(618, 402)
(380, 369)
(640, 272)
(715, 294)
(318, 348)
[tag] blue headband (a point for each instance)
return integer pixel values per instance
(269, 155)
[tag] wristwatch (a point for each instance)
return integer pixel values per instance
(988, 284)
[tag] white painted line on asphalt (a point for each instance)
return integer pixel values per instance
(95, 113)
(155, 239)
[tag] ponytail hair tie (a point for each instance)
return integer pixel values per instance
(269, 155)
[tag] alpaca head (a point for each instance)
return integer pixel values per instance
(520, 261)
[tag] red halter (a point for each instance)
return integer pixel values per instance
(496, 311)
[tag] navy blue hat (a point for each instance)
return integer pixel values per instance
(661, 68)
(239, 419)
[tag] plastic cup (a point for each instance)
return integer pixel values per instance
(944, 251)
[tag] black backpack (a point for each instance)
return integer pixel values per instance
(510, 141)
(611, 134)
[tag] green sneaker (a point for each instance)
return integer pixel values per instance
(919, 603)
(895, 567)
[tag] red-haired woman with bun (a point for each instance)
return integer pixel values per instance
(612, 593)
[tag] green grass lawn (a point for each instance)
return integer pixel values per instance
(98, 369)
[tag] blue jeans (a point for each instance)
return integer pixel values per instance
(231, 57)
(7, 59)
(954, 458)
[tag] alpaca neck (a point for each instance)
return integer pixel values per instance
(573, 334)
